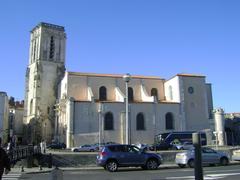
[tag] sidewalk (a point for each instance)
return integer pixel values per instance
(35, 170)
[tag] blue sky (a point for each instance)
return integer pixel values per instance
(140, 37)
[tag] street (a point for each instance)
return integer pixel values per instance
(219, 172)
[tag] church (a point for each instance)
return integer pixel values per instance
(86, 108)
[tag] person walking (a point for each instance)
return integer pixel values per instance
(4, 161)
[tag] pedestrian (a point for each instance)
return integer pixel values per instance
(43, 147)
(9, 147)
(4, 161)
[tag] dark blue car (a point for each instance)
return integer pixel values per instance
(57, 146)
(119, 155)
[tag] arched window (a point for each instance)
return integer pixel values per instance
(170, 92)
(108, 121)
(31, 106)
(130, 94)
(102, 93)
(140, 122)
(154, 92)
(169, 121)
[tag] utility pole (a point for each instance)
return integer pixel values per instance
(198, 171)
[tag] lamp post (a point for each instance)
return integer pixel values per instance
(154, 118)
(127, 78)
(100, 108)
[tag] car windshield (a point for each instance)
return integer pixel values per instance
(162, 137)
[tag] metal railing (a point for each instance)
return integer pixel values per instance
(19, 153)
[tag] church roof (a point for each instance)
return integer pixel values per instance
(190, 75)
(113, 75)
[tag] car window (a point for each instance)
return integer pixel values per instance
(207, 150)
(133, 149)
(116, 148)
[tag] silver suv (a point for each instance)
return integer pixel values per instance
(209, 156)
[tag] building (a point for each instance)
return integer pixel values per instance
(44, 72)
(93, 104)
(78, 108)
(232, 128)
(4, 108)
(16, 113)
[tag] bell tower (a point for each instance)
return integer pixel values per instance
(44, 72)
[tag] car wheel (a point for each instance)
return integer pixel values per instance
(224, 161)
(191, 163)
(91, 150)
(152, 164)
(75, 150)
(111, 166)
(182, 165)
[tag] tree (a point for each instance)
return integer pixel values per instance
(11, 101)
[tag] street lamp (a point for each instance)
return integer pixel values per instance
(154, 118)
(100, 109)
(127, 78)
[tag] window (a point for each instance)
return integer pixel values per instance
(102, 93)
(170, 92)
(140, 122)
(52, 48)
(169, 121)
(108, 121)
(208, 150)
(130, 94)
(132, 149)
(154, 92)
(190, 90)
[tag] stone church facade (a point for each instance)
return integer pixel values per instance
(78, 108)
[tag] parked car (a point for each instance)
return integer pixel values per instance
(98, 146)
(119, 155)
(209, 157)
(184, 146)
(236, 155)
(86, 148)
(55, 145)
(169, 140)
(162, 146)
